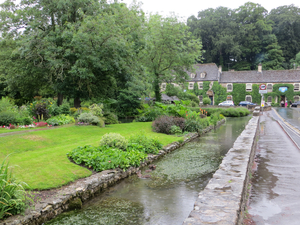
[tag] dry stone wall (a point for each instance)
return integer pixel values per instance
(223, 200)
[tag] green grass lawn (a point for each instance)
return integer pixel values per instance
(39, 158)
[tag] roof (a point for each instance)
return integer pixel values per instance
(266, 76)
(210, 69)
(165, 97)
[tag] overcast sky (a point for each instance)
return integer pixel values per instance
(186, 8)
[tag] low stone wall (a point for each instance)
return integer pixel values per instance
(223, 200)
(72, 196)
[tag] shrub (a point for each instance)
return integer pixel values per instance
(7, 105)
(60, 120)
(7, 117)
(163, 124)
(104, 158)
(206, 101)
(41, 124)
(111, 118)
(65, 109)
(96, 109)
(88, 118)
(114, 140)
(175, 130)
(192, 125)
(54, 110)
(143, 143)
(12, 193)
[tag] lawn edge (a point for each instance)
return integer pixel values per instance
(71, 196)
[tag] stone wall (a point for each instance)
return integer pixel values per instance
(223, 200)
(73, 196)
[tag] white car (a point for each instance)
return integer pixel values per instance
(226, 103)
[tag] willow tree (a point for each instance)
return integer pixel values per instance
(170, 50)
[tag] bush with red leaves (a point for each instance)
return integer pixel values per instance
(41, 124)
(163, 124)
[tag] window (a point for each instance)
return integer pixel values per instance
(229, 87)
(193, 75)
(296, 87)
(191, 85)
(229, 98)
(249, 98)
(163, 86)
(203, 74)
(269, 87)
(248, 87)
(201, 98)
(269, 99)
(296, 98)
(200, 85)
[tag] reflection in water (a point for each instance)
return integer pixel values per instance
(291, 115)
(169, 196)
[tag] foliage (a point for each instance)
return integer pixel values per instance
(227, 112)
(110, 118)
(41, 124)
(7, 117)
(65, 109)
(12, 194)
(60, 120)
(105, 158)
(114, 140)
(144, 144)
(96, 109)
(219, 93)
(88, 118)
(215, 117)
(169, 50)
(289, 93)
(206, 101)
(163, 124)
(128, 103)
(175, 130)
(7, 105)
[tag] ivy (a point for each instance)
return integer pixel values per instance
(289, 93)
(220, 92)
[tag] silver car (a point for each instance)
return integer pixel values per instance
(226, 103)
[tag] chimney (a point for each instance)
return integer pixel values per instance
(220, 68)
(259, 68)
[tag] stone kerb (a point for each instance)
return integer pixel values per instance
(73, 196)
(223, 200)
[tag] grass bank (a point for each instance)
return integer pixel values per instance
(39, 158)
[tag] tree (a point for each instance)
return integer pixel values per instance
(287, 30)
(295, 63)
(82, 48)
(219, 34)
(169, 50)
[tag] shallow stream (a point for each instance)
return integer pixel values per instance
(169, 195)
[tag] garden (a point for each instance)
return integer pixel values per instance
(85, 140)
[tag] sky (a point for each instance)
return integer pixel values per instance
(186, 8)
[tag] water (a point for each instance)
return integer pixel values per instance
(168, 197)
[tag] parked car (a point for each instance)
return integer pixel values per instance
(226, 103)
(295, 104)
(245, 103)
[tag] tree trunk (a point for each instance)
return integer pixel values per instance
(77, 102)
(60, 98)
(157, 89)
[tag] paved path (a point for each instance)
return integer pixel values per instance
(275, 194)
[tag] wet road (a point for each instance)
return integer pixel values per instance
(275, 195)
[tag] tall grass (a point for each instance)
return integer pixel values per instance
(12, 193)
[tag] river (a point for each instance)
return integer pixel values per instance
(169, 195)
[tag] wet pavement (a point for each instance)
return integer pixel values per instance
(275, 195)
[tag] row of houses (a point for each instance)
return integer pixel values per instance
(210, 72)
